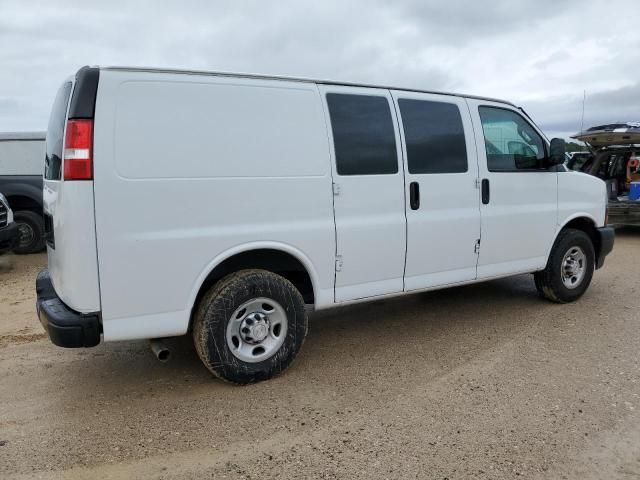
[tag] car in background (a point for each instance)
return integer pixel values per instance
(21, 157)
(8, 228)
(577, 160)
(619, 167)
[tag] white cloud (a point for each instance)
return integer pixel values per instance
(541, 54)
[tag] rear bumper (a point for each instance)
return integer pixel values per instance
(607, 237)
(8, 237)
(65, 327)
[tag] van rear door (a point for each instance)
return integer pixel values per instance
(68, 194)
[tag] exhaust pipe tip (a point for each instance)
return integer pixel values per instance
(160, 350)
(164, 355)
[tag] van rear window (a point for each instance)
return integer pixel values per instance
(55, 133)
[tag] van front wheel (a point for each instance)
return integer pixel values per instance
(569, 269)
(250, 326)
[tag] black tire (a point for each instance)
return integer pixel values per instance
(549, 282)
(219, 304)
(31, 232)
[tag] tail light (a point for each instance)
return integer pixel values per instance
(78, 150)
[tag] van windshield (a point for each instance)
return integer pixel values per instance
(55, 134)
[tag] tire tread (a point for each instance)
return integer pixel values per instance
(225, 291)
(548, 282)
(38, 223)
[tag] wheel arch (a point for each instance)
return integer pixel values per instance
(275, 257)
(580, 221)
(22, 201)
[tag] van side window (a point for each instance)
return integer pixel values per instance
(434, 136)
(511, 143)
(55, 133)
(363, 135)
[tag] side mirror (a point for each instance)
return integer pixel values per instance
(556, 152)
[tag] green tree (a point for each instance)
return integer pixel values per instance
(576, 147)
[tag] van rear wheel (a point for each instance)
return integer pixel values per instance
(249, 326)
(569, 269)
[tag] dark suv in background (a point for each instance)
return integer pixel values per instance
(8, 228)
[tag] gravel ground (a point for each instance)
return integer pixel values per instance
(483, 381)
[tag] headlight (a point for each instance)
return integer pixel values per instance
(3, 200)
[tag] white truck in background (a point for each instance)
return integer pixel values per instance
(21, 156)
(227, 206)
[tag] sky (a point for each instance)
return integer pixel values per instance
(542, 55)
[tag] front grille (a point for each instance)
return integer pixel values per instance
(4, 215)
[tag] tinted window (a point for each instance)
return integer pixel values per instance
(578, 161)
(363, 135)
(511, 143)
(55, 133)
(434, 136)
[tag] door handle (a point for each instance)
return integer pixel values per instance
(486, 194)
(414, 195)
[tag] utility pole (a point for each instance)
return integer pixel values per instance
(584, 98)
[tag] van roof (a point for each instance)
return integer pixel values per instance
(9, 136)
(299, 79)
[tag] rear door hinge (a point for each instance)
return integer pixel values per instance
(336, 189)
(338, 263)
(477, 247)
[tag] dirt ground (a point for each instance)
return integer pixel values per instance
(483, 381)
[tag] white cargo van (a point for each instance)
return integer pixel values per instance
(228, 206)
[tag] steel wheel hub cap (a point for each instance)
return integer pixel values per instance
(256, 330)
(26, 234)
(574, 266)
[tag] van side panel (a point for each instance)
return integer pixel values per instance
(188, 167)
(581, 195)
